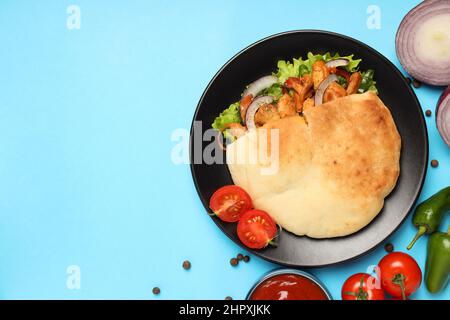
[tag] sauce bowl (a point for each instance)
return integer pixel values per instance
(295, 272)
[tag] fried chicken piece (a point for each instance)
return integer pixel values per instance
(334, 91)
(301, 86)
(319, 73)
(354, 82)
(245, 103)
(286, 106)
(265, 114)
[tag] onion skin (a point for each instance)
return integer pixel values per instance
(259, 85)
(252, 91)
(442, 114)
(318, 98)
(251, 111)
(442, 97)
(424, 70)
(340, 62)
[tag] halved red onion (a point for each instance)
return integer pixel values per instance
(443, 115)
(253, 108)
(422, 42)
(318, 98)
(340, 62)
(259, 85)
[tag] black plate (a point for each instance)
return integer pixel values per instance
(260, 59)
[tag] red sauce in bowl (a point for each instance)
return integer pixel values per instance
(288, 287)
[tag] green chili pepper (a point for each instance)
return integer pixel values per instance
(437, 268)
(428, 215)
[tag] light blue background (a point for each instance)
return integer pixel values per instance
(86, 118)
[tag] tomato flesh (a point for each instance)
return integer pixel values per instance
(230, 202)
(256, 229)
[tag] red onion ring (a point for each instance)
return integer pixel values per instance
(425, 70)
(259, 85)
(443, 115)
(318, 98)
(251, 111)
(340, 62)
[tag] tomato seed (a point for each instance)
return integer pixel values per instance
(240, 257)
(246, 259)
(428, 113)
(228, 298)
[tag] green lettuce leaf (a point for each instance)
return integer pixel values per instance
(299, 67)
(229, 115)
(342, 81)
(352, 64)
(286, 69)
(275, 91)
(367, 82)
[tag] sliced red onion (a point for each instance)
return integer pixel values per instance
(253, 108)
(443, 116)
(340, 62)
(318, 98)
(259, 85)
(422, 42)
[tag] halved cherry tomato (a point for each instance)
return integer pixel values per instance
(400, 274)
(362, 286)
(230, 202)
(256, 229)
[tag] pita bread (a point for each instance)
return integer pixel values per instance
(336, 165)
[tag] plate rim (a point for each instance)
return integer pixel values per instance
(382, 58)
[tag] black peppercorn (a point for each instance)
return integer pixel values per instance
(234, 262)
(389, 247)
(434, 163)
(186, 265)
